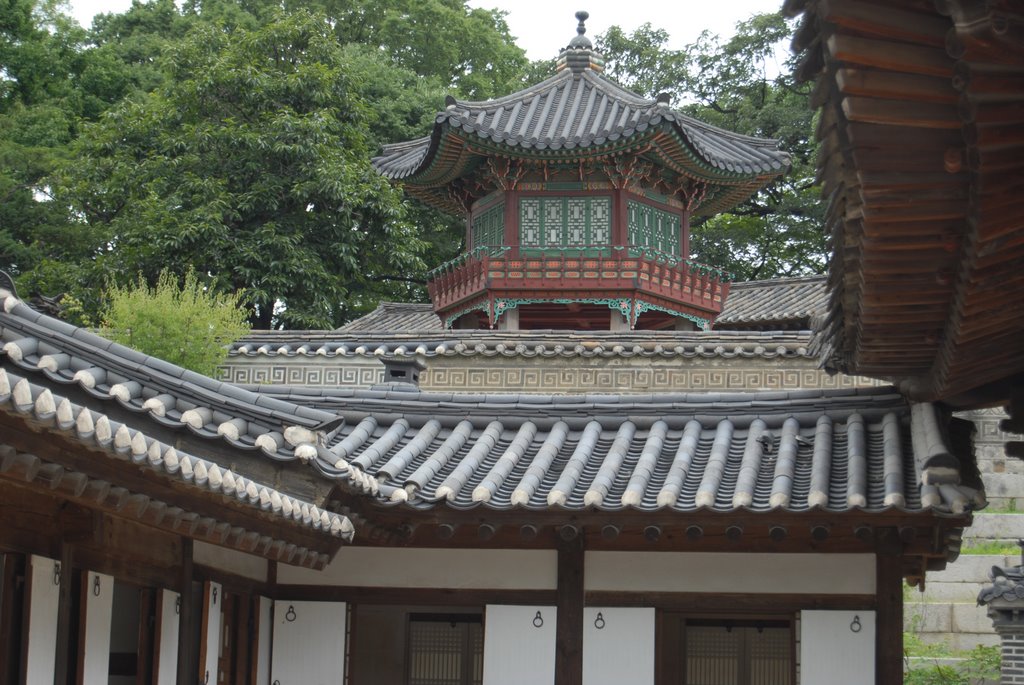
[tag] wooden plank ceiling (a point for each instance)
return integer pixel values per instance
(922, 159)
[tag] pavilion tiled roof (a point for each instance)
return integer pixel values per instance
(574, 115)
(583, 109)
(780, 303)
(862, 450)
(396, 317)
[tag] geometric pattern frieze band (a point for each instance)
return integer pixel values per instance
(550, 379)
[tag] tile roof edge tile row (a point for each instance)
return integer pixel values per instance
(56, 413)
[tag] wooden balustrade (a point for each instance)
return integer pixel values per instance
(567, 273)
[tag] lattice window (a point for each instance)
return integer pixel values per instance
(446, 649)
(654, 228)
(554, 222)
(564, 222)
(738, 653)
(489, 227)
(529, 222)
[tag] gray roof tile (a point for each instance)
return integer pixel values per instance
(776, 304)
(617, 450)
(580, 110)
(389, 331)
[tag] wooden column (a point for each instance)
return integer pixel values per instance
(889, 617)
(62, 646)
(186, 619)
(684, 236)
(569, 626)
(620, 217)
(13, 569)
(511, 222)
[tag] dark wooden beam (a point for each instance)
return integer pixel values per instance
(736, 602)
(62, 644)
(405, 596)
(569, 628)
(186, 619)
(889, 614)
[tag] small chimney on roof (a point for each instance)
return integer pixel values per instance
(402, 373)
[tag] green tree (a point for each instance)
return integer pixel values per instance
(183, 322)
(737, 85)
(251, 164)
(42, 99)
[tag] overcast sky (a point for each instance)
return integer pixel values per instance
(543, 27)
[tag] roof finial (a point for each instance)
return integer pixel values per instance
(581, 41)
(579, 54)
(582, 16)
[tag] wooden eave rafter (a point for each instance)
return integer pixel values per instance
(457, 154)
(922, 155)
(34, 458)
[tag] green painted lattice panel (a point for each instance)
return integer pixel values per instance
(555, 223)
(652, 227)
(489, 227)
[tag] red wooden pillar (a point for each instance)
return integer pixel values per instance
(569, 626)
(511, 222)
(684, 235)
(620, 217)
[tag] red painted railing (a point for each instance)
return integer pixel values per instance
(595, 269)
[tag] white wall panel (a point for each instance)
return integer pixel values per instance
(618, 646)
(837, 647)
(167, 637)
(97, 603)
(265, 628)
(519, 646)
(721, 572)
(213, 602)
(230, 560)
(309, 643)
(433, 568)
(44, 595)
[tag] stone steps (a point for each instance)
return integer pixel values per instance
(1001, 527)
(947, 611)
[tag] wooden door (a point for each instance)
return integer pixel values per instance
(41, 632)
(263, 621)
(308, 643)
(510, 632)
(210, 634)
(168, 613)
(618, 645)
(95, 607)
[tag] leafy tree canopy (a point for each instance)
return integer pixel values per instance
(252, 166)
(736, 85)
(181, 322)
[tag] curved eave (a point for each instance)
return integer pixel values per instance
(569, 117)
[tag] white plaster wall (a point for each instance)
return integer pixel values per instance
(618, 646)
(834, 651)
(42, 622)
(229, 560)
(212, 613)
(432, 568)
(266, 629)
(168, 674)
(516, 649)
(309, 643)
(99, 604)
(720, 572)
